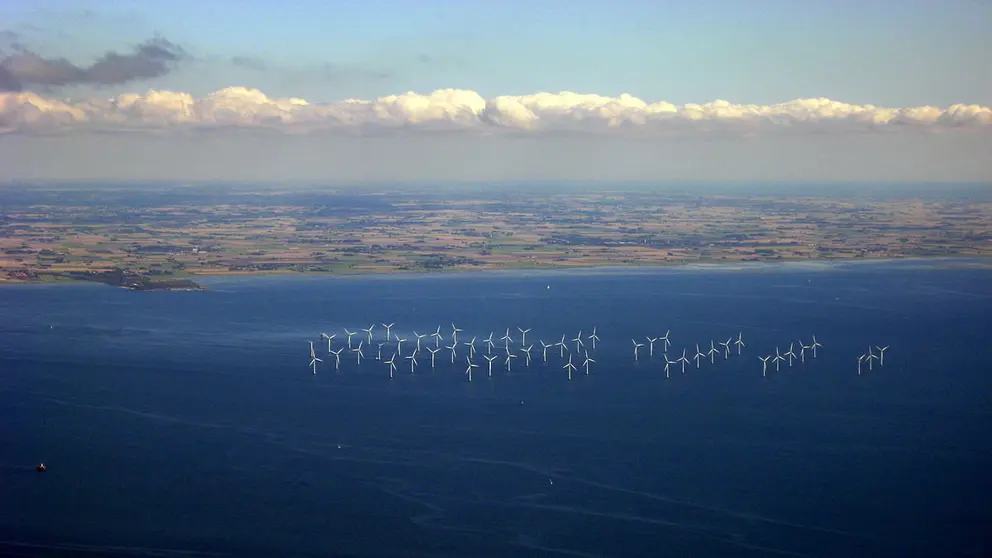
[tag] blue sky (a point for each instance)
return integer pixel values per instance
(885, 52)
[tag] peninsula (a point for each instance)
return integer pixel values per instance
(158, 237)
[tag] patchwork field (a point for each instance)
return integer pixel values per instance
(174, 232)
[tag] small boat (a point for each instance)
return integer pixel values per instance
(41, 468)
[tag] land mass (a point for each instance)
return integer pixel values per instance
(157, 237)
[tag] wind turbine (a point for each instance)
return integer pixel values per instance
(468, 370)
(359, 352)
(861, 359)
(506, 339)
(337, 358)
(526, 351)
(815, 345)
(683, 360)
(508, 357)
(368, 331)
(349, 334)
(569, 366)
(544, 350)
(740, 342)
(413, 360)
(378, 352)
(651, 341)
(881, 354)
(392, 365)
(802, 351)
(454, 333)
(712, 352)
(778, 358)
(433, 352)
(490, 358)
(726, 347)
(328, 337)
(419, 337)
(523, 335)
(594, 338)
(665, 339)
(471, 347)
(451, 348)
(389, 327)
(587, 362)
(313, 359)
(489, 343)
(636, 347)
(790, 354)
(668, 363)
(764, 365)
(871, 356)
(578, 341)
(699, 355)
(561, 345)
(399, 344)
(437, 337)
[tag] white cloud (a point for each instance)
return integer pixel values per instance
(239, 107)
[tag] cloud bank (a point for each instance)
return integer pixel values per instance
(444, 109)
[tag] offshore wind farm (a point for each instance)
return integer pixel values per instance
(496, 412)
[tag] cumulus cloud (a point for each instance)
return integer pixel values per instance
(24, 69)
(456, 109)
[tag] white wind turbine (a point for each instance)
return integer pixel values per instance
(526, 351)
(419, 337)
(699, 355)
(368, 332)
(413, 361)
(506, 339)
(349, 334)
(359, 352)
(378, 351)
(578, 341)
(313, 359)
(451, 348)
(871, 356)
(881, 354)
(712, 352)
(802, 351)
(814, 346)
(587, 362)
(665, 339)
(454, 333)
(683, 360)
(861, 359)
(523, 335)
(726, 347)
(392, 364)
(544, 350)
(790, 353)
(328, 337)
(389, 327)
(399, 344)
(471, 347)
(594, 338)
(740, 342)
(490, 358)
(778, 358)
(561, 345)
(569, 366)
(433, 352)
(337, 358)
(636, 347)
(489, 343)
(437, 337)
(668, 363)
(651, 341)
(471, 365)
(764, 365)
(509, 357)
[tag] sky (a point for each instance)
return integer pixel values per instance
(483, 90)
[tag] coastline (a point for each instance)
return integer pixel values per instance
(971, 261)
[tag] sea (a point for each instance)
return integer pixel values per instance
(191, 424)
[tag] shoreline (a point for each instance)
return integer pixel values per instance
(984, 262)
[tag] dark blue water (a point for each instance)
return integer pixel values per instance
(180, 422)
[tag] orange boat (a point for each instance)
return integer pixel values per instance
(41, 468)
